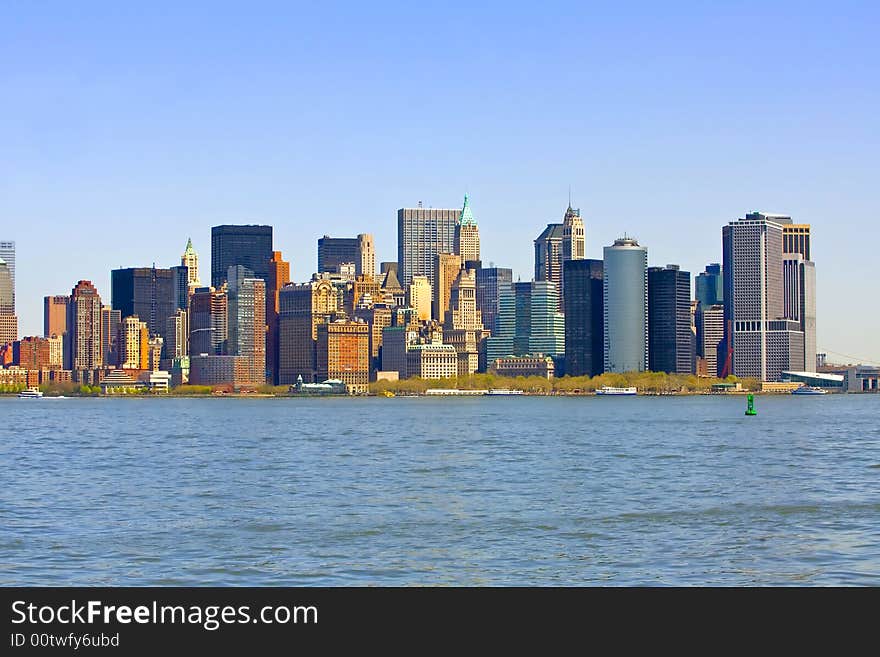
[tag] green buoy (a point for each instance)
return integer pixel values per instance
(750, 409)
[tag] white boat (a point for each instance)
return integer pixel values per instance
(809, 390)
(30, 393)
(503, 391)
(611, 390)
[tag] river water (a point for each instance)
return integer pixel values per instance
(440, 491)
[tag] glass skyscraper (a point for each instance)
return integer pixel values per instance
(710, 286)
(670, 339)
(422, 234)
(584, 312)
(626, 306)
(248, 246)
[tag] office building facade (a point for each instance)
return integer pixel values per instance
(625, 292)
(422, 233)
(248, 245)
(359, 251)
(670, 338)
(584, 317)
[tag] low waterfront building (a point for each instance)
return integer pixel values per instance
(835, 382)
(527, 365)
(328, 387)
(211, 370)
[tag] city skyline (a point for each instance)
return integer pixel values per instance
(664, 141)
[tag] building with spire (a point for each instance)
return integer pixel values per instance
(557, 244)
(573, 235)
(467, 235)
(190, 260)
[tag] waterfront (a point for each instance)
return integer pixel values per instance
(471, 491)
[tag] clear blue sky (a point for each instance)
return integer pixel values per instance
(125, 130)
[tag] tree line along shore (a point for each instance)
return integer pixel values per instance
(644, 382)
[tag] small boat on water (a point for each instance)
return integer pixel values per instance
(30, 393)
(809, 390)
(611, 390)
(503, 391)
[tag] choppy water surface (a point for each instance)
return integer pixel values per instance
(484, 491)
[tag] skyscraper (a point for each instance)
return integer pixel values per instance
(796, 255)
(110, 320)
(343, 353)
(670, 339)
(177, 335)
(710, 333)
(208, 332)
(467, 235)
(528, 321)
(7, 255)
(419, 297)
(422, 233)
(584, 317)
(463, 324)
(249, 246)
(247, 320)
(190, 260)
(710, 286)
(7, 289)
(626, 306)
(301, 309)
(489, 280)
(279, 276)
(55, 315)
(133, 344)
(548, 255)
(573, 235)
(360, 250)
(150, 293)
(446, 269)
(762, 342)
(84, 329)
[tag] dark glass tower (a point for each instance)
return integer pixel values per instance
(151, 294)
(248, 246)
(710, 286)
(584, 319)
(670, 339)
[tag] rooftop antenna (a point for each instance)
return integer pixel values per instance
(569, 196)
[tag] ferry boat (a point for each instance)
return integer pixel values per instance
(809, 390)
(503, 391)
(611, 390)
(30, 393)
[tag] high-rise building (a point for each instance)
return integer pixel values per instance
(800, 286)
(762, 343)
(335, 251)
(548, 255)
(151, 293)
(710, 286)
(422, 233)
(799, 300)
(177, 335)
(55, 315)
(670, 339)
(248, 246)
(710, 334)
(584, 317)
(208, 332)
(573, 235)
(190, 260)
(133, 344)
(110, 320)
(419, 297)
(301, 309)
(84, 328)
(343, 353)
(796, 239)
(489, 280)
(431, 361)
(56, 352)
(279, 276)
(625, 290)
(7, 255)
(8, 329)
(528, 322)
(446, 269)
(8, 319)
(33, 353)
(7, 289)
(463, 324)
(467, 235)
(247, 320)
(377, 317)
